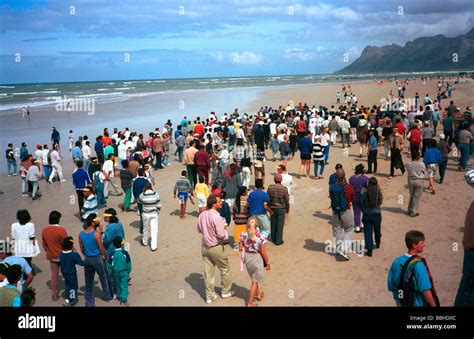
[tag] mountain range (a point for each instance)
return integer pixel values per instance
(425, 54)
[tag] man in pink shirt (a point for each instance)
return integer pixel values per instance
(214, 236)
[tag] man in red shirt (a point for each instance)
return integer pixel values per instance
(53, 236)
(199, 129)
(202, 163)
(414, 136)
(343, 221)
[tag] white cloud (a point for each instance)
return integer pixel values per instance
(246, 57)
(302, 54)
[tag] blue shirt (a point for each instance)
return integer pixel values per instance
(12, 260)
(305, 145)
(99, 148)
(432, 156)
(420, 277)
(91, 248)
(76, 153)
(373, 143)
(113, 230)
(138, 185)
(68, 262)
(80, 179)
(256, 200)
(333, 179)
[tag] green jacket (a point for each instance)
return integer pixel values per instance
(120, 261)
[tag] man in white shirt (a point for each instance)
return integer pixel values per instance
(273, 128)
(108, 169)
(56, 165)
(287, 178)
(86, 154)
(122, 152)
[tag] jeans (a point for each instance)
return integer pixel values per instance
(91, 266)
(316, 164)
(35, 188)
(372, 160)
(386, 148)
(342, 229)
(10, 163)
(449, 137)
(263, 224)
(100, 198)
(47, 171)
(71, 286)
(465, 295)
(326, 152)
(464, 148)
(357, 209)
(345, 139)
(87, 164)
(442, 168)
(158, 160)
(24, 185)
(372, 225)
(150, 229)
(277, 223)
(424, 146)
(180, 151)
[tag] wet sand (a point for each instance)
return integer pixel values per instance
(302, 273)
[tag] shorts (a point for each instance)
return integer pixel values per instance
(201, 199)
(260, 170)
(183, 197)
(431, 168)
(305, 156)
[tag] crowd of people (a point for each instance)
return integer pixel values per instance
(220, 155)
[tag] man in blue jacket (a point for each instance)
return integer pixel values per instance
(80, 179)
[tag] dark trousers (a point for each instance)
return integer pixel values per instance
(465, 295)
(91, 266)
(140, 210)
(396, 157)
(277, 223)
(424, 146)
(449, 137)
(158, 160)
(442, 168)
(372, 226)
(80, 199)
(71, 285)
(203, 171)
(372, 159)
(192, 176)
(100, 159)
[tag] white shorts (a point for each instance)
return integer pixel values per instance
(202, 201)
(432, 169)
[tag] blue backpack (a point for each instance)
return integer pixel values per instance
(338, 198)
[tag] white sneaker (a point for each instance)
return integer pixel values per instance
(15, 174)
(63, 180)
(228, 295)
(209, 301)
(344, 255)
(10, 175)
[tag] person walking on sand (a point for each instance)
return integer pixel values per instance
(396, 147)
(432, 160)
(214, 236)
(371, 201)
(52, 239)
(305, 145)
(279, 202)
(409, 278)
(56, 165)
(11, 161)
(416, 170)
(151, 205)
(183, 189)
(255, 257)
(241, 214)
(358, 181)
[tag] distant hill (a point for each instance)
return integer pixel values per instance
(428, 54)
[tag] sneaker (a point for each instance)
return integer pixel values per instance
(15, 174)
(63, 180)
(124, 303)
(111, 300)
(344, 255)
(9, 175)
(209, 301)
(357, 229)
(227, 295)
(369, 253)
(24, 195)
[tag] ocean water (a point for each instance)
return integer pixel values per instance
(13, 97)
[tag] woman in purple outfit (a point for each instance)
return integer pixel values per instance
(358, 181)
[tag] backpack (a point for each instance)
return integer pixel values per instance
(338, 198)
(406, 285)
(245, 161)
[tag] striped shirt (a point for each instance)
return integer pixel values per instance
(183, 185)
(90, 206)
(318, 153)
(150, 201)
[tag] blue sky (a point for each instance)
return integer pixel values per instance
(102, 40)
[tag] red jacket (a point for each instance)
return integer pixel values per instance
(201, 158)
(415, 136)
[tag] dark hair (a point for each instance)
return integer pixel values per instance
(23, 217)
(27, 297)
(223, 194)
(201, 179)
(125, 163)
(413, 238)
(141, 172)
(259, 183)
(110, 156)
(184, 173)
(374, 195)
(79, 164)
(13, 274)
(240, 192)
(54, 217)
(68, 243)
(211, 200)
(359, 169)
(78, 144)
(117, 242)
(415, 154)
(90, 219)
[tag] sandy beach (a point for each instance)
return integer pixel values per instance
(302, 273)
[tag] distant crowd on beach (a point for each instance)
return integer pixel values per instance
(226, 173)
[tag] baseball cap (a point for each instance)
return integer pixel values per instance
(338, 166)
